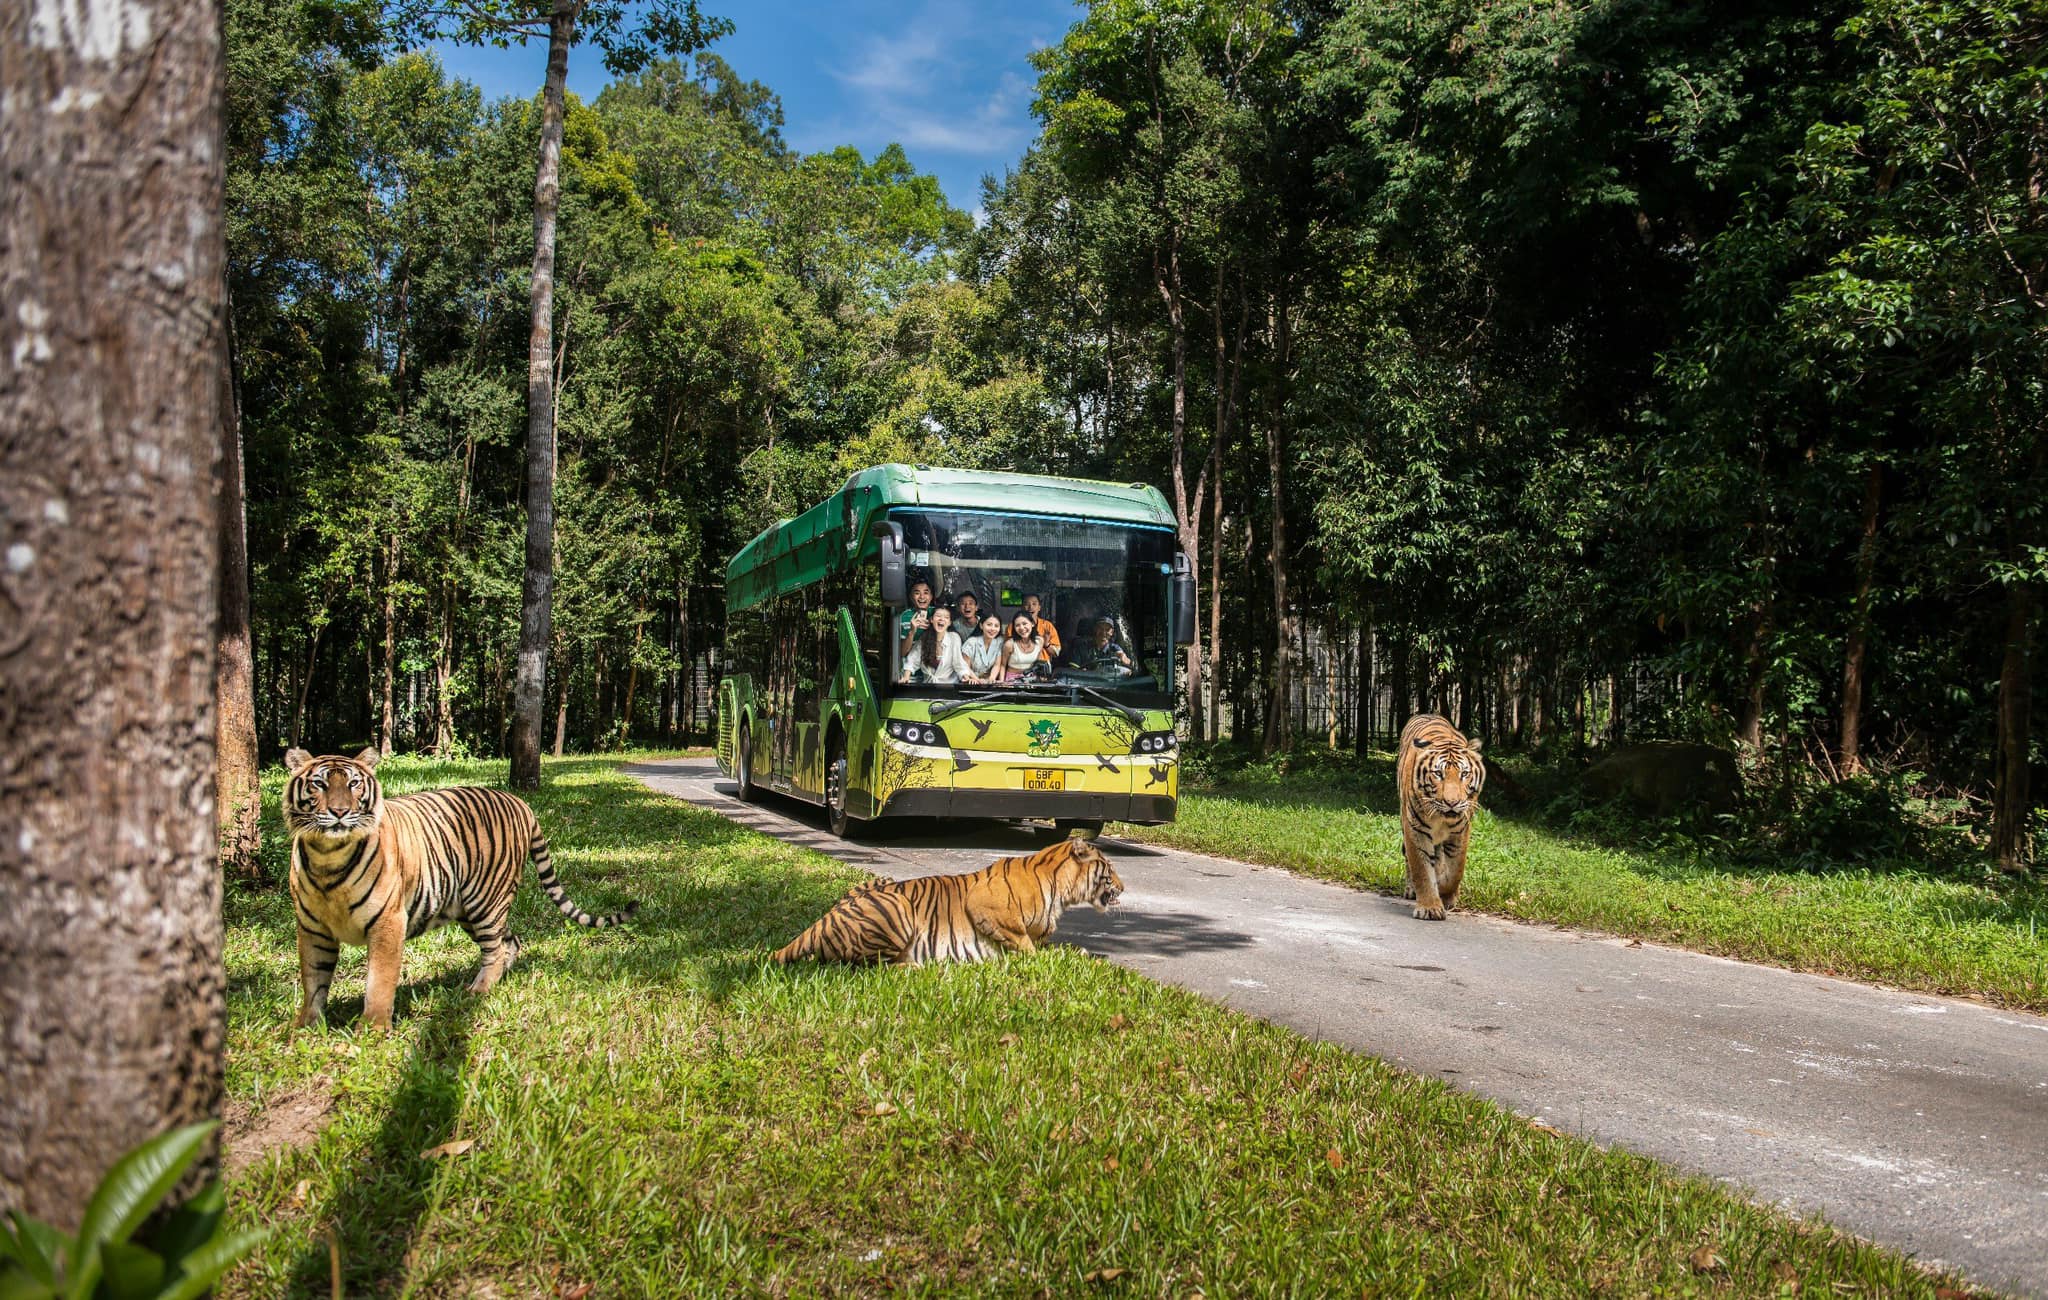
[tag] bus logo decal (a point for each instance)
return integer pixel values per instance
(1044, 738)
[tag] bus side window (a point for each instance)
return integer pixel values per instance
(872, 623)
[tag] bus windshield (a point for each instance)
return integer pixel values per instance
(1100, 589)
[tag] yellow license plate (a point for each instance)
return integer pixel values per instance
(1045, 778)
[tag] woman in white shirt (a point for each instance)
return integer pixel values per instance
(983, 653)
(1024, 649)
(935, 651)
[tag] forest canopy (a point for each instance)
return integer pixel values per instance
(1626, 369)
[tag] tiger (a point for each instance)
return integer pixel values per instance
(373, 872)
(1013, 905)
(1440, 774)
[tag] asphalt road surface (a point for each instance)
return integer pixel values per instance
(1918, 1122)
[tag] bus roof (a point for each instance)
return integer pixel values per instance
(799, 551)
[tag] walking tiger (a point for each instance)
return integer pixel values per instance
(373, 872)
(1439, 773)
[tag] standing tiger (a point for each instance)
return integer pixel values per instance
(373, 872)
(1439, 773)
(1012, 904)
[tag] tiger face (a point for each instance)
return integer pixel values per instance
(332, 798)
(1447, 780)
(1087, 877)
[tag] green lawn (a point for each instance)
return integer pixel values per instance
(655, 1112)
(1902, 923)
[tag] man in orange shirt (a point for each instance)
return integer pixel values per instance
(1046, 631)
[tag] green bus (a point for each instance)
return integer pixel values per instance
(825, 697)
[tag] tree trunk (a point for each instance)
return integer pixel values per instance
(1363, 741)
(237, 780)
(1749, 720)
(562, 707)
(1283, 618)
(387, 714)
(111, 986)
(444, 678)
(2011, 799)
(632, 677)
(305, 685)
(1851, 762)
(1166, 278)
(537, 590)
(1399, 703)
(1216, 597)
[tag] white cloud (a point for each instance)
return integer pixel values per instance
(887, 64)
(918, 86)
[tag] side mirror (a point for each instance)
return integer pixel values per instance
(895, 569)
(1183, 600)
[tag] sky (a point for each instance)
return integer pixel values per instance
(950, 82)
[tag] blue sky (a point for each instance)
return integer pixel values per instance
(948, 81)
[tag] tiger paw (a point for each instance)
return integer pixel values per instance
(1428, 913)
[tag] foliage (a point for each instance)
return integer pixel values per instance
(179, 1255)
(1626, 369)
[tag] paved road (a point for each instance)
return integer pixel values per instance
(1919, 1122)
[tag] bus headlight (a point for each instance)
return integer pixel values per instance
(913, 732)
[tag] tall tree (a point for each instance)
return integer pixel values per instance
(111, 987)
(665, 27)
(237, 788)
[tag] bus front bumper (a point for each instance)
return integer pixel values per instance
(1078, 805)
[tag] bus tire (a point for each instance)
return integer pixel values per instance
(743, 764)
(838, 774)
(1077, 828)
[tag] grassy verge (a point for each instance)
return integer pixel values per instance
(655, 1112)
(1912, 924)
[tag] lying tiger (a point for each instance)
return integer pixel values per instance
(1010, 905)
(370, 871)
(1439, 773)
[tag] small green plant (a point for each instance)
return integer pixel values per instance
(180, 1257)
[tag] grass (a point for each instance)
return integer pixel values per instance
(656, 1111)
(1912, 924)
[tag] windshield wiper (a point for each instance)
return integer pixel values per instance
(1131, 715)
(940, 708)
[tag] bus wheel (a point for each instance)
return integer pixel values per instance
(743, 764)
(837, 771)
(1077, 828)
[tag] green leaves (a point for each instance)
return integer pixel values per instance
(179, 1259)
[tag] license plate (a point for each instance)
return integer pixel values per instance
(1045, 778)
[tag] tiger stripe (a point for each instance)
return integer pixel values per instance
(1013, 905)
(372, 872)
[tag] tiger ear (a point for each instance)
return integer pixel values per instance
(294, 759)
(370, 757)
(1476, 743)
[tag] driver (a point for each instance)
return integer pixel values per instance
(1103, 652)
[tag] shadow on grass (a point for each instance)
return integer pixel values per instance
(379, 1216)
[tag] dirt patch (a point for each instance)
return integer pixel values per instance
(292, 1118)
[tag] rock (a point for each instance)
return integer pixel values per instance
(1668, 776)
